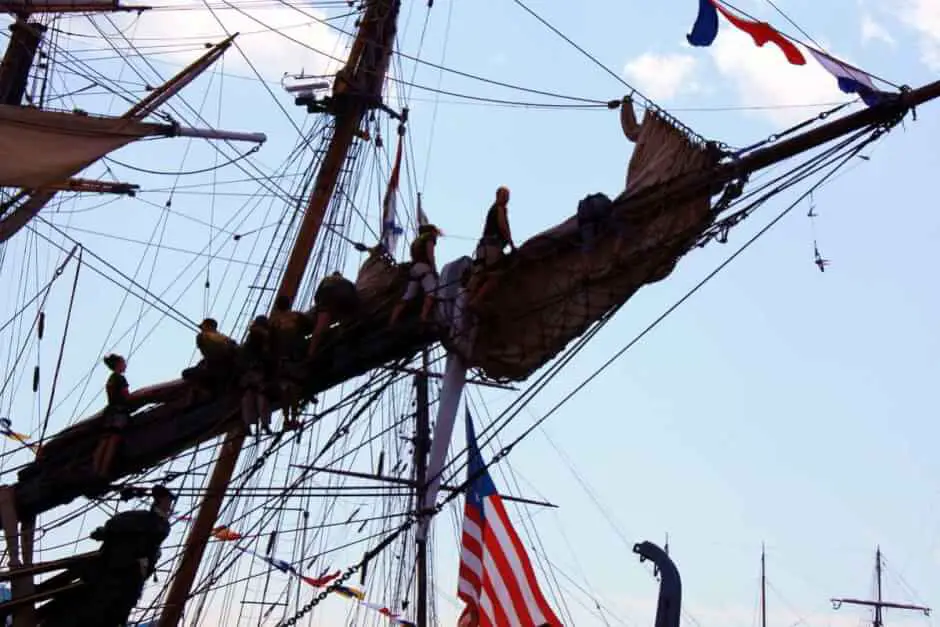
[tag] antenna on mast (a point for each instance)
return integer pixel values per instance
(763, 586)
(879, 604)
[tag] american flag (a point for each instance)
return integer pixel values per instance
(497, 581)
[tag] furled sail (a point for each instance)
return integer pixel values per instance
(50, 146)
(565, 279)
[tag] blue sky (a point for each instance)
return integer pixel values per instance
(779, 404)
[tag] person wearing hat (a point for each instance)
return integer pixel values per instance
(162, 503)
(490, 249)
(116, 414)
(219, 351)
(130, 550)
(422, 276)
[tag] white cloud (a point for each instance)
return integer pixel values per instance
(924, 17)
(662, 77)
(265, 36)
(873, 31)
(763, 77)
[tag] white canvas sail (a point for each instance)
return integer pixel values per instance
(51, 146)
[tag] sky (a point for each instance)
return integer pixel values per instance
(779, 405)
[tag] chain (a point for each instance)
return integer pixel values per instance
(352, 570)
(259, 463)
(775, 137)
(405, 526)
(316, 600)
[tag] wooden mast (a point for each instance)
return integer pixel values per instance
(26, 36)
(879, 604)
(357, 89)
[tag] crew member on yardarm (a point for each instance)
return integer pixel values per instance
(116, 415)
(335, 300)
(422, 276)
(491, 247)
(288, 329)
(256, 380)
(218, 350)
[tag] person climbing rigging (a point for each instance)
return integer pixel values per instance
(110, 586)
(490, 249)
(422, 276)
(219, 351)
(116, 414)
(288, 329)
(335, 300)
(256, 380)
(130, 549)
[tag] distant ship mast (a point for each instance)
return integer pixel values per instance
(879, 604)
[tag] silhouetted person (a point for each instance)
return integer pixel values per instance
(491, 247)
(130, 550)
(422, 276)
(256, 405)
(335, 299)
(116, 415)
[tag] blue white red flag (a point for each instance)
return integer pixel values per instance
(390, 227)
(851, 80)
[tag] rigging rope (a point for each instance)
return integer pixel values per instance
(65, 335)
(47, 291)
(212, 168)
(634, 91)
(440, 66)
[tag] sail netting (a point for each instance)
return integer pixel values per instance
(560, 282)
(50, 146)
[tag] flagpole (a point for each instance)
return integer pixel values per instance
(422, 445)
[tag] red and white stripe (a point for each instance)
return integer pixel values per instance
(496, 577)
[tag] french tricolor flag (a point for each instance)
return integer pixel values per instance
(851, 80)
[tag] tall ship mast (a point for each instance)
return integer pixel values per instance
(53, 146)
(353, 362)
